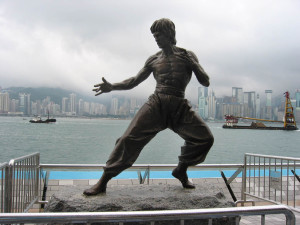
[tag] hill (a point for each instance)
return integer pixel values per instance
(55, 94)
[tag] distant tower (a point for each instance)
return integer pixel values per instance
(203, 102)
(297, 96)
(249, 104)
(257, 107)
(212, 105)
(64, 105)
(80, 107)
(25, 103)
(4, 102)
(114, 106)
(268, 109)
(238, 95)
(73, 103)
(297, 109)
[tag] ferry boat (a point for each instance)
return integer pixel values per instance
(38, 119)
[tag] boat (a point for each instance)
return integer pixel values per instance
(38, 119)
(289, 122)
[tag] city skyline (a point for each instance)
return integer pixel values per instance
(208, 106)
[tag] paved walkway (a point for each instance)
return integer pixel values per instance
(54, 185)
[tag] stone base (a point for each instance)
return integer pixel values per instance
(141, 198)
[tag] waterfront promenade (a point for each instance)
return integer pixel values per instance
(55, 185)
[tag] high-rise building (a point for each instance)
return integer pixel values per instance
(73, 104)
(269, 97)
(203, 102)
(297, 109)
(14, 105)
(297, 97)
(212, 105)
(249, 104)
(293, 103)
(114, 106)
(237, 95)
(34, 108)
(64, 105)
(268, 109)
(87, 108)
(124, 108)
(25, 103)
(257, 107)
(4, 102)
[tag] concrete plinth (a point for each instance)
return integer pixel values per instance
(141, 198)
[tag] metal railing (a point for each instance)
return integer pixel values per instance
(144, 170)
(272, 178)
(21, 183)
(3, 171)
(150, 216)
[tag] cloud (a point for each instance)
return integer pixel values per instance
(72, 44)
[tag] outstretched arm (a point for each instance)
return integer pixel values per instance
(127, 84)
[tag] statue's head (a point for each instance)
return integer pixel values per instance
(165, 26)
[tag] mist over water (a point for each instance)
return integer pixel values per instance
(74, 140)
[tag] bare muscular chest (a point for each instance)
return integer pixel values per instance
(171, 70)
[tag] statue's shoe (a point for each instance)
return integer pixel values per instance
(92, 191)
(183, 178)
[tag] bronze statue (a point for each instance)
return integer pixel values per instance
(172, 69)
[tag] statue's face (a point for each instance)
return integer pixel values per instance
(162, 40)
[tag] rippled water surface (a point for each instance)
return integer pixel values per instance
(74, 140)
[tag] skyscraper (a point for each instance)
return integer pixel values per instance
(25, 103)
(297, 109)
(114, 106)
(73, 103)
(238, 95)
(269, 97)
(212, 105)
(257, 107)
(4, 102)
(268, 109)
(249, 104)
(14, 105)
(64, 105)
(297, 96)
(203, 102)
(80, 107)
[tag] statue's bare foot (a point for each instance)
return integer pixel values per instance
(96, 189)
(183, 178)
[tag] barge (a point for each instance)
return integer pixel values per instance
(289, 122)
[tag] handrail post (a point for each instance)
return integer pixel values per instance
(148, 174)
(8, 189)
(243, 197)
(37, 175)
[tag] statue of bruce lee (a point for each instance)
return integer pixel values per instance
(172, 69)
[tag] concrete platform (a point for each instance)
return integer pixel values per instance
(56, 185)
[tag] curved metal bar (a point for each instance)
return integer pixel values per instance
(89, 217)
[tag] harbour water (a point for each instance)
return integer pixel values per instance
(77, 140)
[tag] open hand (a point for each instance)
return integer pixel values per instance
(102, 87)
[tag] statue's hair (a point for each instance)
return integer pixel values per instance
(166, 26)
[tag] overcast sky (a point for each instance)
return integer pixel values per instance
(253, 44)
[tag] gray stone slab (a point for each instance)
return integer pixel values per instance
(140, 198)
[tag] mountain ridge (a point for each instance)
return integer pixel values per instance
(55, 94)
